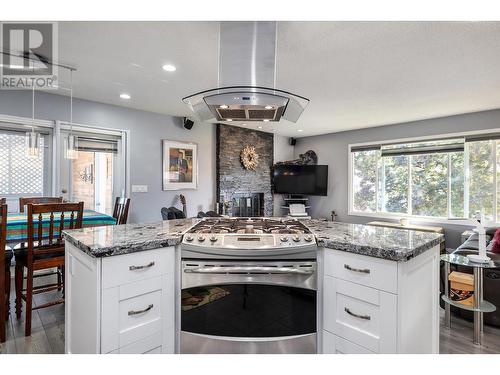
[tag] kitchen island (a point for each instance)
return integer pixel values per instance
(377, 288)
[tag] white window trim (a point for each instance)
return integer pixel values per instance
(124, 135)
(426, 219)
(39, 125)
(56, 127)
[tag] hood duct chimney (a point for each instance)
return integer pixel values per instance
(247, 79)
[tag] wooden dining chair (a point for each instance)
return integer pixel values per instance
(45, 250)
(120, 213)
(23, 201)
(5, 258)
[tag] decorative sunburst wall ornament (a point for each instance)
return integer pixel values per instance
(249, 158)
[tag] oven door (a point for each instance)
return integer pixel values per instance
(248, 307)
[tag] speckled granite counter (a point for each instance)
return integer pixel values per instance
(380, 242)
(122, 239)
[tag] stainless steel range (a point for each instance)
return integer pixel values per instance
(248, 286)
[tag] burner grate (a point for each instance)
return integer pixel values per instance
(250, 225)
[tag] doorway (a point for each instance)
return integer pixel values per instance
(97, 175)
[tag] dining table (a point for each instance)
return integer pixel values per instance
(17, 223)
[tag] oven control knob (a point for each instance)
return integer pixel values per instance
(201, 238)
(308, 238)
(296, 239)
(189, 238)
(213, 239)
(284, 239)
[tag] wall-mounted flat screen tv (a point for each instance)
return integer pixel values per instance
(300, 179)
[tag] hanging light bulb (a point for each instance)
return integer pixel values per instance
(71, 144)
(33, 138)
(32, 144)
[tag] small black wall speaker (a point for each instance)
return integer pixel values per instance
(188, 124)
(293, 141)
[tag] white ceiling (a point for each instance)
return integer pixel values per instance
(356, 74)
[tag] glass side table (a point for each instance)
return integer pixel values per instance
(480, 305)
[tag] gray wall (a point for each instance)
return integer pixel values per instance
(332, 150)
(146, 131)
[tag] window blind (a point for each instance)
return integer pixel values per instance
(97, 145)
(416, 147)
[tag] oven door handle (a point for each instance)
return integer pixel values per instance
(250, 269)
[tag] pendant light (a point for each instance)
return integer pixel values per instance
(71, 144)
(33, 138)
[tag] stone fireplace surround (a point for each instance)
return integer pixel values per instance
(234, 182)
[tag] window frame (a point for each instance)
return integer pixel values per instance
(53, 184)
(428, 219)
(22, 125)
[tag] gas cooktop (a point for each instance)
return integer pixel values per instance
(254, 236)
(250, 226)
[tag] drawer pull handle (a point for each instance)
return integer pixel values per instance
(365, 317)
(132, 312)
(360, 270)
(135, 268)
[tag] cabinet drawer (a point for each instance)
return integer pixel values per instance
(128, 268)
(135, 311)
(333, 344)
(362, 315)
(148, 345)
(373, 272)
(139, 316)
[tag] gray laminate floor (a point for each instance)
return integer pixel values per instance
(48, 333)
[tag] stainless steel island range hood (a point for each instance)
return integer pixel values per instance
(247, 77)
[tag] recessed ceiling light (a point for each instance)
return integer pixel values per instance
(223, 106)
(266, 120)
(229, 119)
(300, 130)
(125, 96)
(169, 68)
(260, 127)
(268, 107)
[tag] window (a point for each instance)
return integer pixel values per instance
(20, 174)
(439, 179)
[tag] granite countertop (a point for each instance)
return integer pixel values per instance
(387, 243)
(381, 242)
(122, 239)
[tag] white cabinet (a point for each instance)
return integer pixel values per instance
(120, 304)
(360, 314)
(379, 306)
(333, 344)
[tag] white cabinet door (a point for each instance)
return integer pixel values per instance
(361, 315)
(138, 312)
(333, 344)
(124, 269)
(360, 269)
(82, 305)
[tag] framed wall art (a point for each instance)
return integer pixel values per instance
(180, 165)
